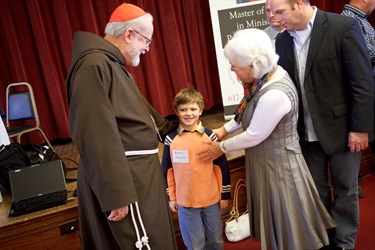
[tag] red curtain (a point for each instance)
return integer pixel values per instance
(37, 39)
(36, 47)
(335, 6)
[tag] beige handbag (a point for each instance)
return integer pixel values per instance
(237, 227)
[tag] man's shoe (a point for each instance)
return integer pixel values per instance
(361, 194)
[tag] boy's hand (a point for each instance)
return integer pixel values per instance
(173, 205)
(223, 204)
(220, 133)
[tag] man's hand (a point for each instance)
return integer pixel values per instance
(118, 214)
(357, 141)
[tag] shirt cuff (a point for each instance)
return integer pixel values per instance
(223, 148)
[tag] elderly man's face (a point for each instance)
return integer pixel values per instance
(287, 14)
(140, 44)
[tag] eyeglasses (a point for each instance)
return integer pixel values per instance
(148, 40)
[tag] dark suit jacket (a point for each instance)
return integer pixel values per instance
(338, 80)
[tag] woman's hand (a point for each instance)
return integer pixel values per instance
(211, 152)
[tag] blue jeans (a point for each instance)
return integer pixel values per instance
(201, 227)
(343, 205)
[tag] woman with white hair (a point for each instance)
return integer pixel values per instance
(285, 209)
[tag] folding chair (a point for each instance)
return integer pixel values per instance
(20, 105)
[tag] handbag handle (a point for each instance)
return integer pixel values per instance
(234, 212)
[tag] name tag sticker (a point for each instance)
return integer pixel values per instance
(180, 156)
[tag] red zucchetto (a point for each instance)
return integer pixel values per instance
(126, 12)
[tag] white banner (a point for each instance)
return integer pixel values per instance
(227, 17)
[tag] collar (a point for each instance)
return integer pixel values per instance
(303, 35)
(274, 32)
(199, 128)
(355, 10)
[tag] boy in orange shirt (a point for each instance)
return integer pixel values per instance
(197, 191)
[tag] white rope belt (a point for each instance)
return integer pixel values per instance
(142, 152)
(141, 241)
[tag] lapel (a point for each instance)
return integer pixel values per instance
(291, 60)
(286, 51)
(316, 41)
(291, 57)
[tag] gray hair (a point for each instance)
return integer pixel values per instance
(116, 29)
(251, 47)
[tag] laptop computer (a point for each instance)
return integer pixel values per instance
(37, 187)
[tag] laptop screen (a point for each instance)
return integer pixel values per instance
(20, 106)
(37, 180)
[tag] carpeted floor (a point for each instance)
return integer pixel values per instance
(367, 215)
(367, 205)
(367, 222)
